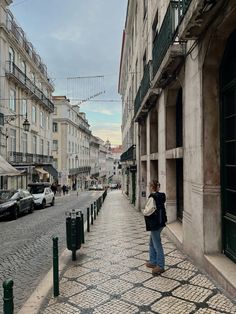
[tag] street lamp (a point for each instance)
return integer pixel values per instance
(5, 119)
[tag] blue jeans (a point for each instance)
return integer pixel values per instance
(156, 253)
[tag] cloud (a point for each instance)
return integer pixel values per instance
(71, 34)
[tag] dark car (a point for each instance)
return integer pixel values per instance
(14, 202)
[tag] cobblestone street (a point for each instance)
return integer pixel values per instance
(26, 244)
(109, 275)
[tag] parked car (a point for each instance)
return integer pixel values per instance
(100, 187)
(93, 187)
(14, 202)
(42, 193)
(113, 186)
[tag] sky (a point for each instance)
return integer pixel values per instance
(80, 38)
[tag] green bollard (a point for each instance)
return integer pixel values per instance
(95, 210)
(91, 214)
(88, 226)
(97, 205)
(55, 267)
(82, 226)
(8, 305)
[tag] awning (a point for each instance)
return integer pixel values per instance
(40, 170)
(53, 172)
(6, 169)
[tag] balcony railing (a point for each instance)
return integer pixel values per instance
(183, 7)
(27, 158)
(129, 154)
(166, 35)
(13, 71)
(143, 88)
(20, 37)
(79, 170)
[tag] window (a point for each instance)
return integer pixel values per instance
(144, 8)
(55, 127)
(34, 144)
(32, 77)
(41, 147)
(47, 123)
(24, 143)
(55, 145)
(144, 60)
(12, 140)
(42, 122)
(23, 67)
(23, 106)
(12, 104)
(48, 149)
(11, 59)
(33, 114)
(154, 26)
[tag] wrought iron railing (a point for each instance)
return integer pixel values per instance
(12, 69)
(183, 7)
(166, 35)
(129, 154)
(168, 32)
(20, 37)
(79, 170)
(143, 88)
(19, 157)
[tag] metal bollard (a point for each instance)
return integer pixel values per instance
(97, 203)
(88, 226)
(91, 214)
(8, 305)
(95, 210)
(82, 226)
(55, 268)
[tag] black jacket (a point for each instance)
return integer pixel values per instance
(158, 219)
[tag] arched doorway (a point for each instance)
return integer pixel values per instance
(228, 146)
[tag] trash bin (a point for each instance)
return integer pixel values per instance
(73, 231)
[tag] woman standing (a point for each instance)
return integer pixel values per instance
(155, 219)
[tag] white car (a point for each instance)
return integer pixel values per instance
(42, 194)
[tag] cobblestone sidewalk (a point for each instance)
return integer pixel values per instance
(110, 277)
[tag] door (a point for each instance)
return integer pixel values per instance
(228, 147)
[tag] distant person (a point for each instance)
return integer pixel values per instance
(54, 188)
(155, 219)
(64, 189)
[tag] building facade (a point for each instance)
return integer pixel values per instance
(94, 158)
(26, 92)
(117, 168)
(178, 60)
(71, 138)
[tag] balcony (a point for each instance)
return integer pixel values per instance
(19, 36)
(168, 51)
(16, 158)
(79, 170)
(143, 88)
(15, 74)
(83, 128)
(195, 16)
(129, 155)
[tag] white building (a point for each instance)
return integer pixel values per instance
(94, 158)
(71, 138)
(177, 80)
(25, 89)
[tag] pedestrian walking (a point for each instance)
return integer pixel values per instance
(64, 189)
(155, 219)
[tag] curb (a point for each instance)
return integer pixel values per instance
(35, 301)
(37, 298)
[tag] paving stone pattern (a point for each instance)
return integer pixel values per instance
(110, 276)
(26, 244)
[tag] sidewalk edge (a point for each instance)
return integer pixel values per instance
(35, 301)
